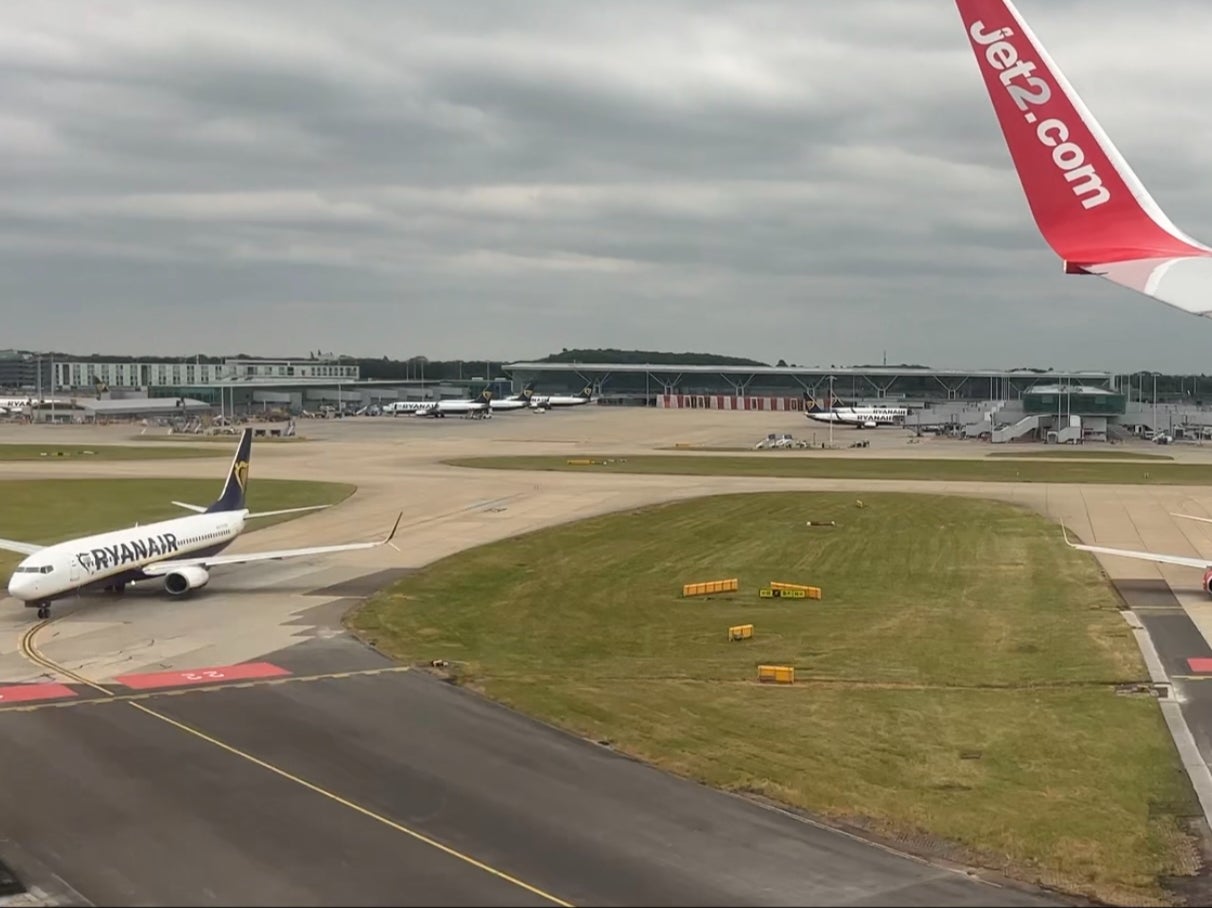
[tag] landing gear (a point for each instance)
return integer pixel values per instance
(44, 612)
(116, 589)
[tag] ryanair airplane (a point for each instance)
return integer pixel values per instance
(181, 550)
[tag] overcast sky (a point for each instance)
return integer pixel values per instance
(815, 180)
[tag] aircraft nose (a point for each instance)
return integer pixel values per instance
(20, 587)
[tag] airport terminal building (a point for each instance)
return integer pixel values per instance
(1001, 405)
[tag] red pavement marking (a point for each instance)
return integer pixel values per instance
(1200, 665)
(20, 693)
(203, 675)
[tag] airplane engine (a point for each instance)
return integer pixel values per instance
(181, 581)
(1208, 581)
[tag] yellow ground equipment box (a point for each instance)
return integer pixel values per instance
(778, 590)
(711, 586)
(776, 674)
(740, 632)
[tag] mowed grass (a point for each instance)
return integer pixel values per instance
(100, 452)
(1080, 453)
(955, 688)
(51, 510)
(803, 465)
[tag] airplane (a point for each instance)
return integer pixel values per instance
(1088, 204)
(1203, 564)
(478, 405)
(23, 404)
(520, 401)
(562, 400)
(182, 550)
(859, 417)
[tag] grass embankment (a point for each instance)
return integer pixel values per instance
(51, 510)
(1078, 453)
(99, 452)
(954, 689)
(816, 467)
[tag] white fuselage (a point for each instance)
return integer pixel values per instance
(435, 407)
(558, 401)
(862, 417)
(509, 403)
(25, 404)
(410, 406)
(119, 555)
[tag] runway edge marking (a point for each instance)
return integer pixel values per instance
(24, 693)
(1172, 711)
(183, 677)
(112, 697)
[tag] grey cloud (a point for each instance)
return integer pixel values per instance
(814, 181)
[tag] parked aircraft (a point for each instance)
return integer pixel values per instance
(562, 400)
(478, 405)
(182, 550)
(25, 404)
(1203, 564)
(858, 417)
(519, 401)
(1088, 204)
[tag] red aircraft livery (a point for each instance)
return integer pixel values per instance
(1087, 203)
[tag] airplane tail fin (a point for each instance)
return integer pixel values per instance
(232, 497)
(587, 392)
(1087, 202)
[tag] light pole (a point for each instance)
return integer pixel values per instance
(831, 415)
(1155, 403)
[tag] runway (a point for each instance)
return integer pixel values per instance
(340, 781)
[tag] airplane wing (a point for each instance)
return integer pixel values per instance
(160, 568)
(1087, 202)
(24, 548)
(311, 507)
(201, 510)
(1201, 563)
(1181, 560)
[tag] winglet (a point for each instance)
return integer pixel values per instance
(392, 534)
(1087, 202)
(1065, 533)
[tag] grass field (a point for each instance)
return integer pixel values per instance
(814, 466)
(1079, 453)
(100, 452)
(955, 689)
(50, 510)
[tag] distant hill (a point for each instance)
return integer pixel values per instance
(647, 356)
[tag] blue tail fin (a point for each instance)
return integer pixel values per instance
(234, 489)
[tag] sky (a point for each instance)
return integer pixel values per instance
(810, 180)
